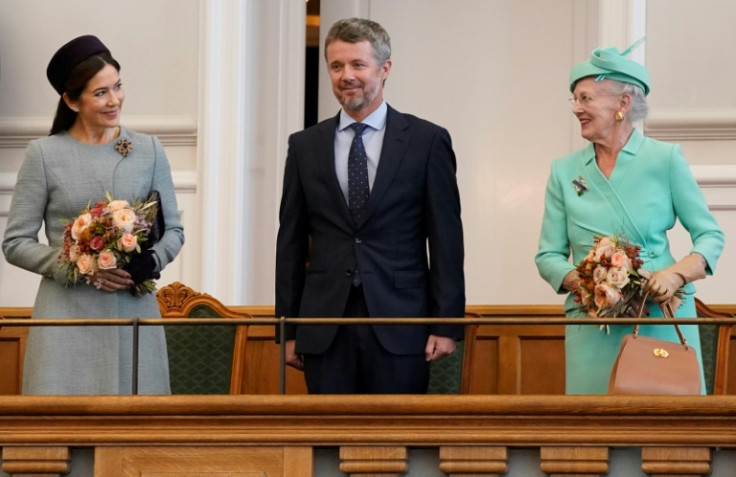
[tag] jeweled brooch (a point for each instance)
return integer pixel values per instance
(580, 185)
(124, 147)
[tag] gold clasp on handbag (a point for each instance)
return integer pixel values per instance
(661, 352)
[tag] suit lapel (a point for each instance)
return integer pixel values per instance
(395, 142)
(326, 158)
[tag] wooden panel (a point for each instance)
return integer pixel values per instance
(261, 365)
(515, 359)
(543, 364)
(152, 461)
(12, 353)
(481, 373)
(730, 371)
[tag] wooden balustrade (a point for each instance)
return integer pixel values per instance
(276, 435)
(510, 358)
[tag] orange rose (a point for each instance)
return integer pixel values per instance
(107, 260)
(128, 242)
(124, 219)
(86, 264)
(80, 223)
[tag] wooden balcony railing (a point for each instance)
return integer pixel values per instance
(277, 435)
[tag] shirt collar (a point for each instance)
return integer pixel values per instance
(376, 120)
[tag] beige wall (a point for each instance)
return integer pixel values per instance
(494, 72)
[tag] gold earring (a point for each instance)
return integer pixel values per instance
(619, 116)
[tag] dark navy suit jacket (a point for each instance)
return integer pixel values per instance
(408, 247)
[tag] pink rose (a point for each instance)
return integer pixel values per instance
(97, 243)
(107, 260)
(124, 219)
(606, 296)
(599, 274)
(86, 264)
(620, 260)
(116, 205)
(617, 277)
(604, 250)
(128, 242)
(80, 223)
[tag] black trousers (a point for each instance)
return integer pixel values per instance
(357, 363)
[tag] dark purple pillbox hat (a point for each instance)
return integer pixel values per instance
(69, 56)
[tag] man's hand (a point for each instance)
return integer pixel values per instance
(439, 346)
(292, 359)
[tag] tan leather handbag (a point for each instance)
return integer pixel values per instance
(653, 366)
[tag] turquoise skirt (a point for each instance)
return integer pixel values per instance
(591, 352)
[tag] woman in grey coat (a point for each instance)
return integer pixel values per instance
(87, 155)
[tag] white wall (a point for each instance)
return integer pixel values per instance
(495, 74)
(693, 103)
(220, 81)
(157, 46)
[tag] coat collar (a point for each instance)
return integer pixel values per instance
(630, 149)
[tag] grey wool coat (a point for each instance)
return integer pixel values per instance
(58, 179)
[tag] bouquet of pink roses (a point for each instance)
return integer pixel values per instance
(609, 281)
(107, 235)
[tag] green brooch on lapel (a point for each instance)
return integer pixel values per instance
(580, 185)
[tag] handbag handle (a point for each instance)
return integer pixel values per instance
(668, 313)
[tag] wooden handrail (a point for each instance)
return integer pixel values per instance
(497, 320)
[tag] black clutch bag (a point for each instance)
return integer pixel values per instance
(158, 225)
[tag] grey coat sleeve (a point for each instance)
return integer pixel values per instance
(27, 209)
(172, 240)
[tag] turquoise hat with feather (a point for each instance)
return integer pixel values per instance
(608, 63)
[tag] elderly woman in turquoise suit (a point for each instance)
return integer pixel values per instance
(88, 154)
(621, 183)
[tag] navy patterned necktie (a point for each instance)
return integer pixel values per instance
(358, 188)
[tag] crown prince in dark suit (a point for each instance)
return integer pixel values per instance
(369, 227)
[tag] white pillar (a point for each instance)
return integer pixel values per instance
(622, 22)
(251, 97)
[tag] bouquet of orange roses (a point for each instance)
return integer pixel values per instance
(107, 235)
(609, 281)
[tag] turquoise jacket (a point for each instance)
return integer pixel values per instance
(649, 189)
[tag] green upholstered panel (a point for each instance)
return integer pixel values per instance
(200, 357)
(709, 349)
(445, 374)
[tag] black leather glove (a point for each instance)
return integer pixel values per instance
(142, 267)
